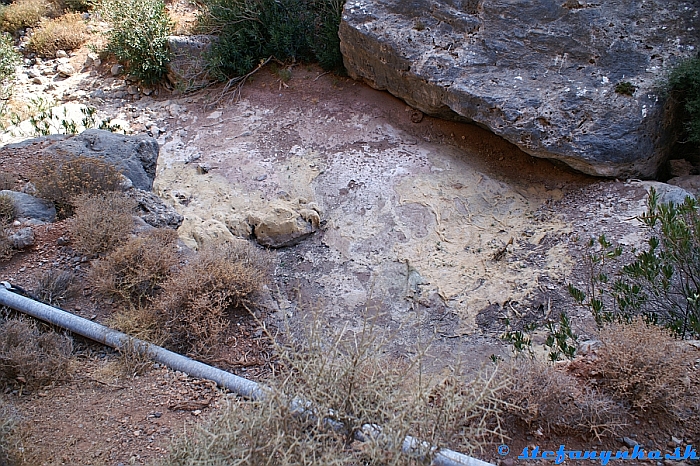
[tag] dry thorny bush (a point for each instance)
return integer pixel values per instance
(54, 286)
(101, 222)
(334, 388)
(547, 398)
(67, 33)
(134, 272)
(216, 280)
(32, 358)
(644, 366)
(61, 180)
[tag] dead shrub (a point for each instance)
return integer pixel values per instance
(101, 222)
(12, 449)
(348, 381)
(6, 248)
(60, 181)
(29, 357)
(54, 286)
(22, 14)
(7, 181)
(134, 272)
(7, 209)
(67, 32)
(197, 298)
(133, 362)
(143, 323)
(547, 398)
(647, 368)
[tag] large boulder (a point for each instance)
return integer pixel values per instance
(134, 156)
(543, 74)
(30, 207)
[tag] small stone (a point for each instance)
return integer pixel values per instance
(629, 443)
(62, 241)
(261, 178)
(197, 412)
(147, 91)
(133, 90)
(676, 440)
(117, 69)
(33, 73)
(65, 70)
(92, 59)
(37, 80)
(61, 54)
(203, 168)
(23, 238)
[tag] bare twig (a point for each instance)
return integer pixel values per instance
(236, 84)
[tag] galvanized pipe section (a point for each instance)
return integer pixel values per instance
(231, 382)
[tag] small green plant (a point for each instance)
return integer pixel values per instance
(520, 339)
(684, 83)
(625, 88)
(561, 339)
(250, 31)
(139, 37)
(9, 59)
(419, 25)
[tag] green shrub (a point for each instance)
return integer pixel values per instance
(661, 283)
(138, 38)
(684, 83)
(9, 59)
(252, 30)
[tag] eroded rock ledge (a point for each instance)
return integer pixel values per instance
(540, 74)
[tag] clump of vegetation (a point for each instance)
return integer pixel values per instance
(101, 223)
(250, 31)
(60, 181)
(138, 38)
(11, 445)
(6, 248)
(195, 301)
(642, 365)
(9, 59)
(29, 357)
(22, 14)
(134, 272)
(351, 389)
(661, 283)
(7, 209)
(67, 32)
(625, 88)
(7, 181)
(684, 83)
(54, 286)
(547, 398)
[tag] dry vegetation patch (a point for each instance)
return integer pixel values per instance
(32, 358)
(101, 222)
(646, 367)
(67, 32)
(215, 280)
(23, 13)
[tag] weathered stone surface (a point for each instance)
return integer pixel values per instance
(154, 211)
(667, 193)
(22, 238)
(135, 156)
(29, 207)
(284, 224)
(186, 69)
(690, 183)
(540, 74)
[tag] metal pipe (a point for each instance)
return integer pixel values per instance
(231, 382)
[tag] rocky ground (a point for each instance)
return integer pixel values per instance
(441, 229)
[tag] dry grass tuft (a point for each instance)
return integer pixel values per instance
(54, 286)
(6, 249)
(217, 279)
(644, 366)
(7, 181)
(60, 181)
(29, 357)
(101, 222)
(7, 209)
(349, 385)
(132, 362)
(547, 398)
(67, 32)
(22, 14)
(134, 272)
(140, 322)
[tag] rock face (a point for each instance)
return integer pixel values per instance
(135, 156)
(543, 75)
(154, 211)
(30, 207)
(284, 224)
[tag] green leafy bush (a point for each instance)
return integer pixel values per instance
(9, 59)
(138, 38)
(684, 82)
(250, 31)
(661, 283)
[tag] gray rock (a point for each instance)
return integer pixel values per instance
(117, 69)
(667, 193)
(22, 239)
(187, 68)
(690, 183)
(65, 70)
(61, 54)
(29, 207)
(33, 73)
(135, 156)
(540, 74)
(154, 211)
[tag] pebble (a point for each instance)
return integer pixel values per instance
(116, 70)
(61, 54)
